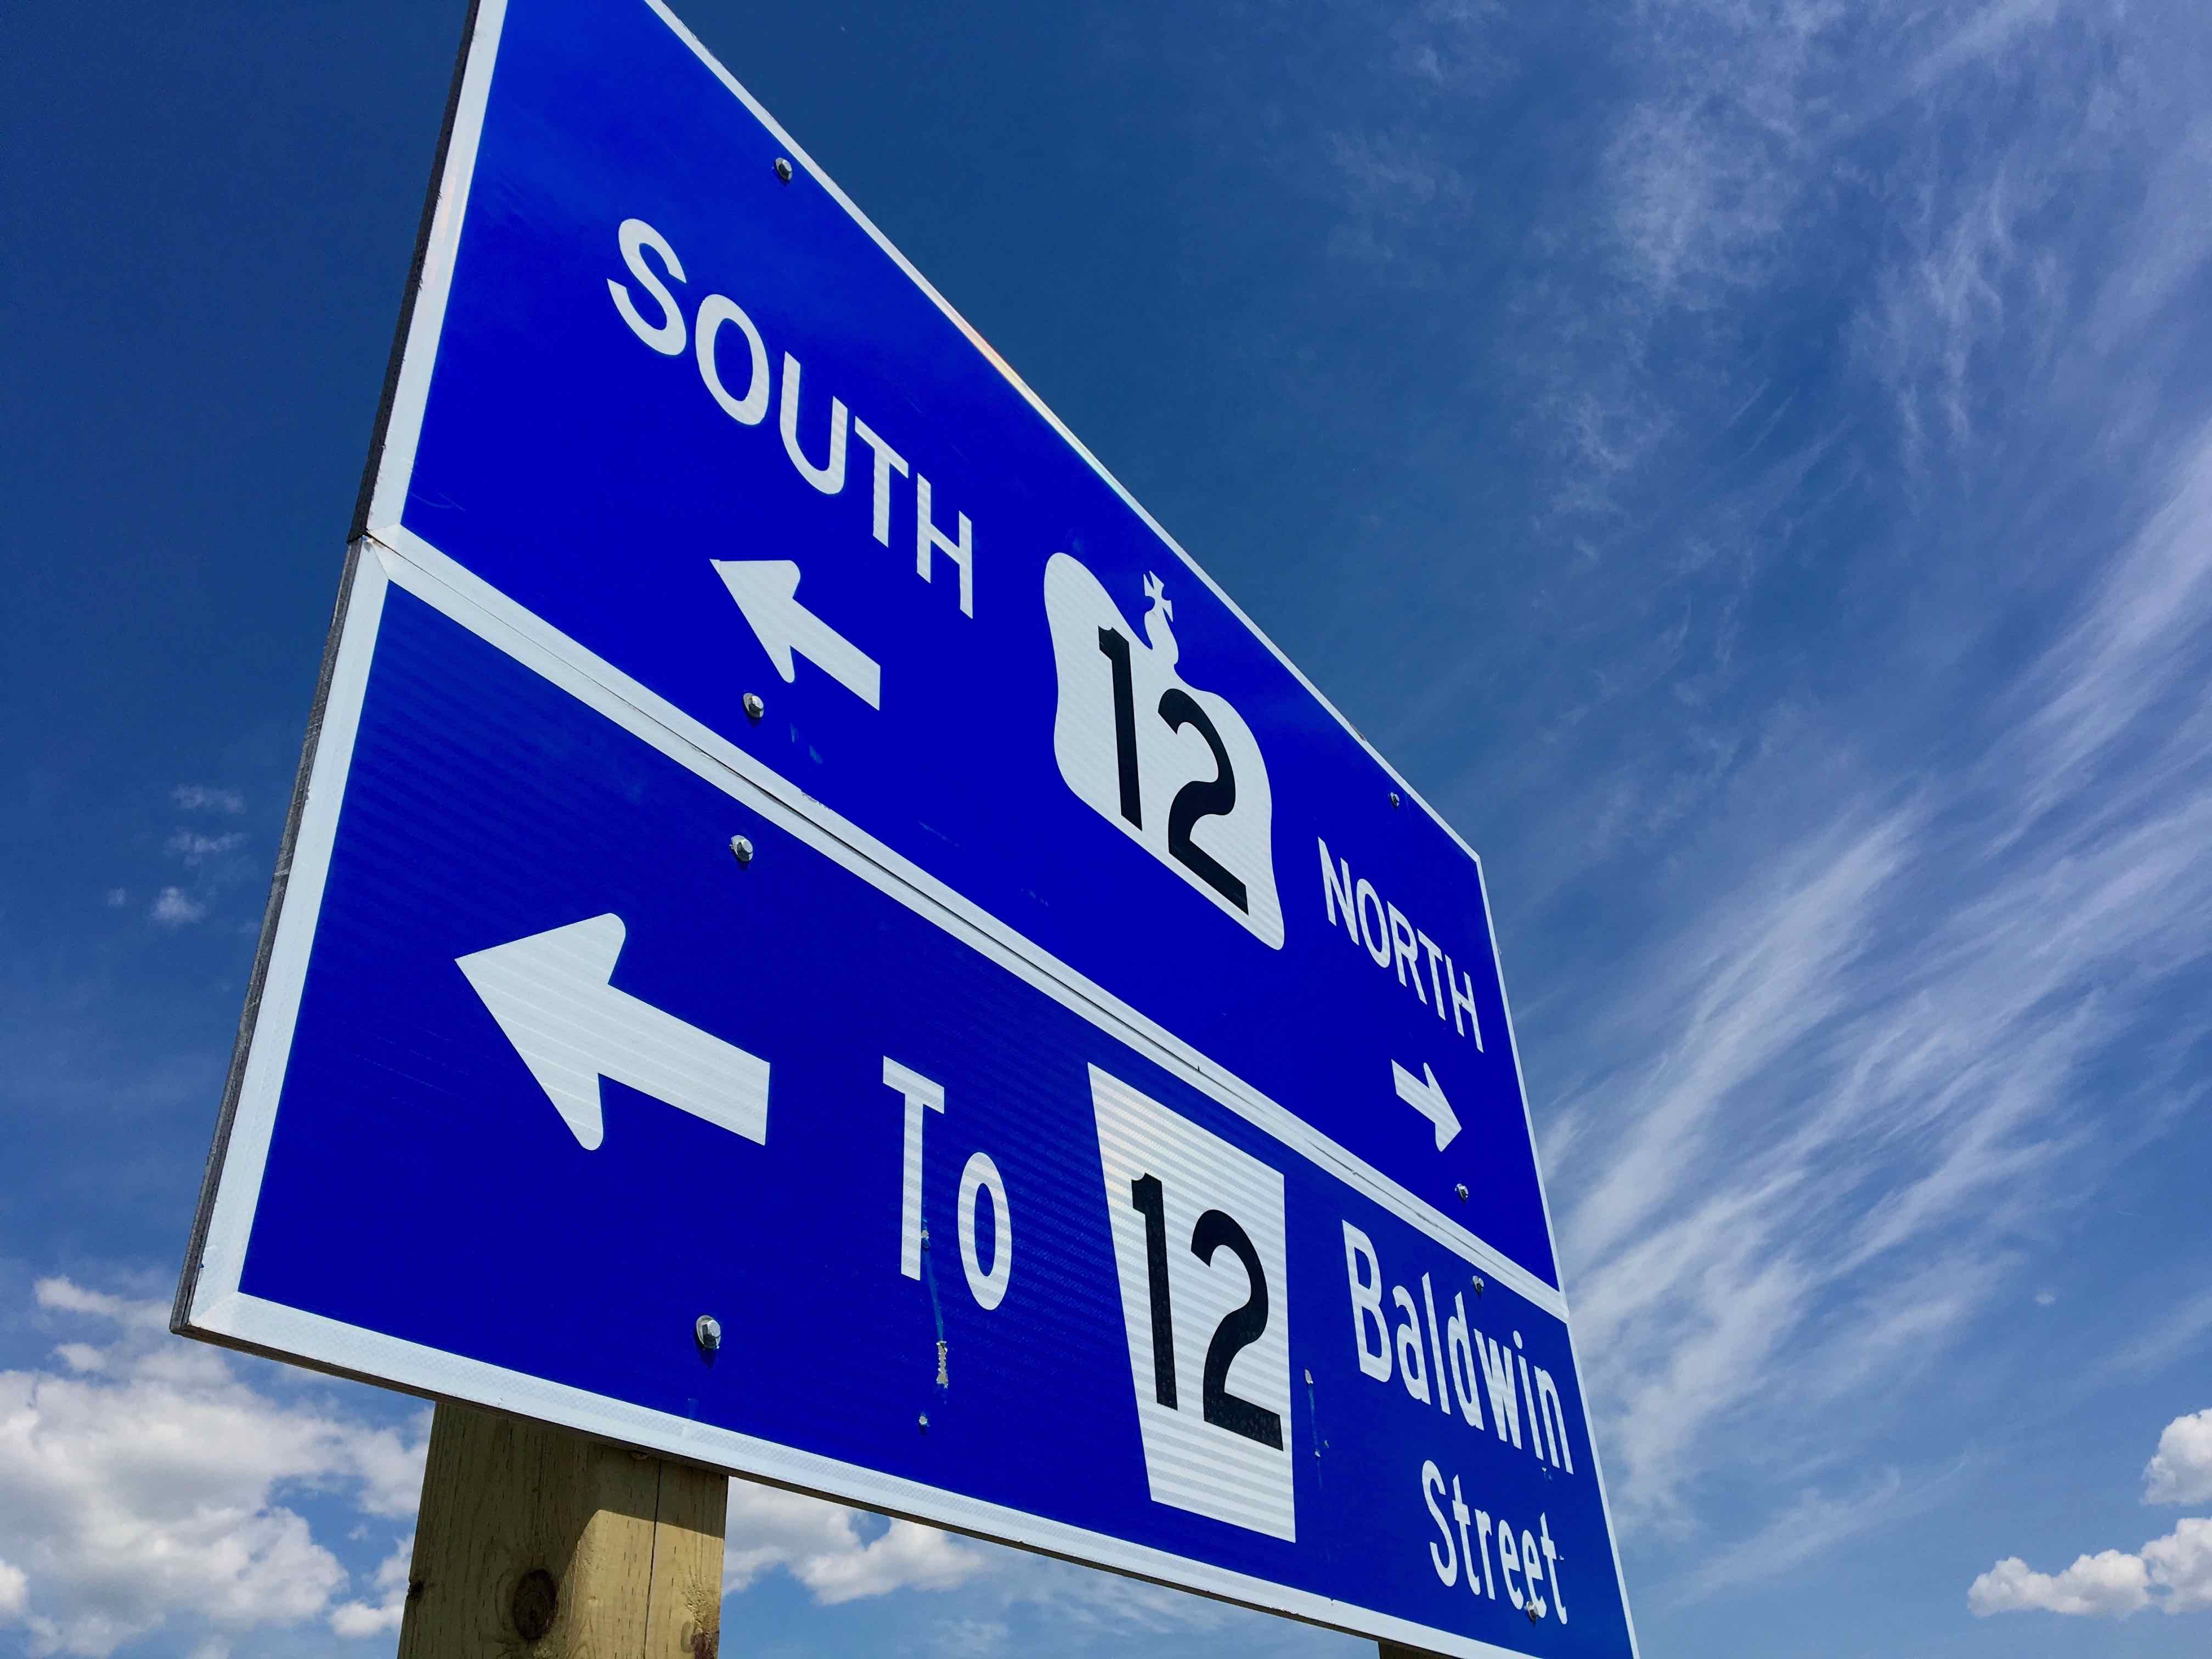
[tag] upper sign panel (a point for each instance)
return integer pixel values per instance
(670, 403)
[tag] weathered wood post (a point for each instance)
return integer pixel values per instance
(533, 1540)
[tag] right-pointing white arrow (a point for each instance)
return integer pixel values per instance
(1425, 1097)
(767, 590)
(550, 996)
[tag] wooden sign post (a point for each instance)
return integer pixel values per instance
(533, 1540)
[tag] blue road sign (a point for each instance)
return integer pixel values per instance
(787, 840)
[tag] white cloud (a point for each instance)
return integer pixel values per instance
(174, 908)
(2181, 1470)
(196, 849)
(204, 798)
(357, 1619)
(820, 1544)
(14, 1593)
(843, 1555)
(149, 1481)
(2181, 1564)
(66, 1296)
(382, 1618)
(117, 897)
(2173, 1574)
(2112, 1583)
(905, 1556)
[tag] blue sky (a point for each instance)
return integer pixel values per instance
(1749, 464)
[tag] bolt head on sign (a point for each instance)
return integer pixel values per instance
(1079, 934)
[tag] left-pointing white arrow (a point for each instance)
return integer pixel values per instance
(767, 590)
(550, 996)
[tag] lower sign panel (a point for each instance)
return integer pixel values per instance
(571, 1040)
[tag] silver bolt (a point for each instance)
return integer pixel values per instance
(1393, 798)
(741, 849)
(1479, 1286)
(1535, 1616)
(754, 706)
(707, 1331)
(783, 169)
(1462, 1190)
(924, 1420)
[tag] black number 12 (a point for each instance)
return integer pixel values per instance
(1201, 797)
(1238, 1330)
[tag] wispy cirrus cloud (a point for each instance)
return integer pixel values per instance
(1871, 499)
(1868, 1057)
(208, 798)
(2184, 1329)
(1840, 759)
(211, 859)
(197, 849)
(1814, 1523)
